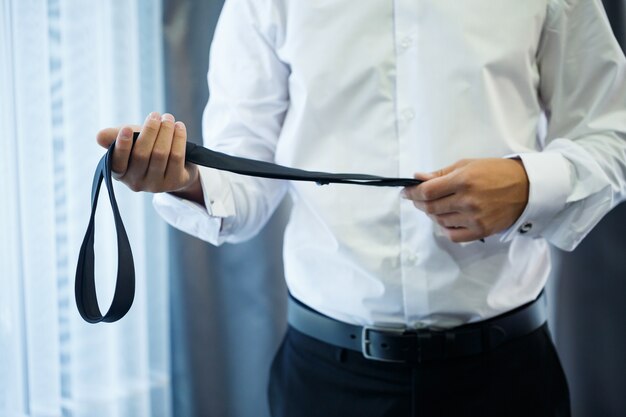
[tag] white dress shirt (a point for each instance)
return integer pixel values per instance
(396, 87)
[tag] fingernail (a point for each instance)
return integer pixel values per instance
(403, 194)
(167, 117)
(179, 126)
(126, 133)
(154, 116)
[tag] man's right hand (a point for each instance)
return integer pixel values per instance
(156, 163)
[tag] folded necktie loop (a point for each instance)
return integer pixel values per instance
(85, 286)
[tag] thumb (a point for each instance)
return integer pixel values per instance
(424, 176)
(108, 135)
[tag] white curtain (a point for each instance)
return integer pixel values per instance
(67, 69)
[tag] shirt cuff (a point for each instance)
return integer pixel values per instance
(549, 178)
(218, 196)
(208, 223)
(187, 216)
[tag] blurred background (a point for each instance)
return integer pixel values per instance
(71, 67)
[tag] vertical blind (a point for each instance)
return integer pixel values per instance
(67, 69)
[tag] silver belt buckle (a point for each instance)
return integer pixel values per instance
(366, 344)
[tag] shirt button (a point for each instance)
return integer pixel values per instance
(406, 43)
(525, 228)
(408, 114)
(410, 258)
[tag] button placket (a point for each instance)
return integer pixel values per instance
(407, 47)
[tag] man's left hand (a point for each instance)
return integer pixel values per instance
(473, 198)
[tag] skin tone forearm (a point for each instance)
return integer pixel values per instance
(192, 193)
(156, 163)
(473, 198)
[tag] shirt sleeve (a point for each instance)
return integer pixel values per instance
(243, 117)
(580, 173)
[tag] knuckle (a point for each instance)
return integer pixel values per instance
(427, 193)
(151, 127)
(119, 163)
(429, 207)
(180, 133)
(465, 181)
(471, 204)
(177, 156)
(159, 155)
(140, 156)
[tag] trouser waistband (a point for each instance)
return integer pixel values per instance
(417, 346)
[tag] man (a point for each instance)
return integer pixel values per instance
(423, 301)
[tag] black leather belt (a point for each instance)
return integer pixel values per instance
(417, 346)
(85, 288)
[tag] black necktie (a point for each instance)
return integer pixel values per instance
(85, 290)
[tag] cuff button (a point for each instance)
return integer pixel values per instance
(525, 228)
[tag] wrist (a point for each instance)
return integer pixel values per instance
(193, 190)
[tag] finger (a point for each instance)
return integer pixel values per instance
(176, 162)
(409, 192)
(424, 176)
(107, 136)
(448, 204)
(161, 150)
(433, 189)
(450, 220)
(461, 234)
(121, 153)
(140, 157)
(440, 183)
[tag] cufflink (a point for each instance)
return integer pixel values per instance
(525, 228)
